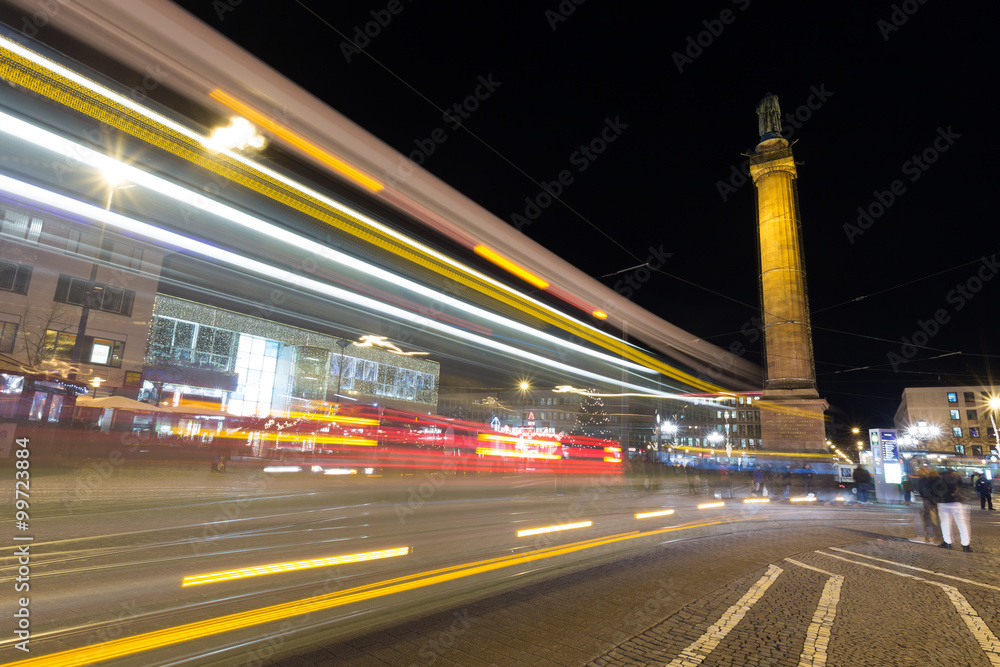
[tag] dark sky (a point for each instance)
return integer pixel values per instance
(870, 86)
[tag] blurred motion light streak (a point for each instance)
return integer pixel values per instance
(169, 238)
(292, 566)
(64, 86)
(71, 150)
(511, 267)
(705, 506)
(552, 529)
(128, 646)
(301, 143)
(646, 515)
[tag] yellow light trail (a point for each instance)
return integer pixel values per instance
(127, 646)
(63, 86)
(646, 515)
(292, 566)
(753, 501)
(299, 142)
(506, 452)
(510, 267)
(552, 529)
(705, 506)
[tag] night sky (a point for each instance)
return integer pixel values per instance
(892, 108)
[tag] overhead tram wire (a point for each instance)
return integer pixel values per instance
(466, 129)
(889, 289)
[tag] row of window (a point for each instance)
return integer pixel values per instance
(969, 396)
(101, 351)
(15, 278)
(970, 415)
(974, 432)
(82, 243)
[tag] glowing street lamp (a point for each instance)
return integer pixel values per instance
(523, 387)
(994, 403)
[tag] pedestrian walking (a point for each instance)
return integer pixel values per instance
(907, 487)
(692, 478)
(862, 478)
(984, 487)
(759, 487)
(807, 480)
(927, 516)
(950, 509)
(786, 481)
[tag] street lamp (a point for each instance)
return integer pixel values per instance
(715, 438)
(114, 181)
(524, 386)
(669, 429)
(994, 403)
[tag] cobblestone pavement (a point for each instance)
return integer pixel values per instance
(819, 597)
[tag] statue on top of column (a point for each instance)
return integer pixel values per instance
(769, 116)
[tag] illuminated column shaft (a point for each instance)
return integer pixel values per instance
(787, 334)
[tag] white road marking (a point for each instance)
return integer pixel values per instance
(987, 640)
(977, 626)
(694, 654)
(918, 569)
(818, 635)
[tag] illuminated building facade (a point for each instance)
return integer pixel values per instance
(252, 366)
(792, 413)
(45, 267)
(954, 420)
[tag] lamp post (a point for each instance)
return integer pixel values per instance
(89, 296)
(994, 403)
(523, 387)
(669, 429)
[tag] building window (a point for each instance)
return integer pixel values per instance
(973, 431)
(8, 335)
(953, 397)
(20, 226)
(971, 414)
(99, 351)
(956, 431)
(960, 449)
(954, 414)
(14, 277)
(970, 398)
(105, 297)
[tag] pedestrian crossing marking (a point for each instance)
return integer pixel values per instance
(918, 569)
(818, 634)
(694, 654)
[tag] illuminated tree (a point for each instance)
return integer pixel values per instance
(592, 419)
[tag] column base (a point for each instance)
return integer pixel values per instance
(793, 421)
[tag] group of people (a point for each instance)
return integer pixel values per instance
(941, 505)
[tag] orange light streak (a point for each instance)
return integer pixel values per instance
(299, 142)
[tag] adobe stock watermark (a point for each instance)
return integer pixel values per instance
(581, 159)
(363, 34)
(223, 7)
(561, 13)
(418, 496)
(915, 167)
(45, 11)
(898, 17)
(697, 44)
(958, 297)
(453, 117)
(739, 174)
